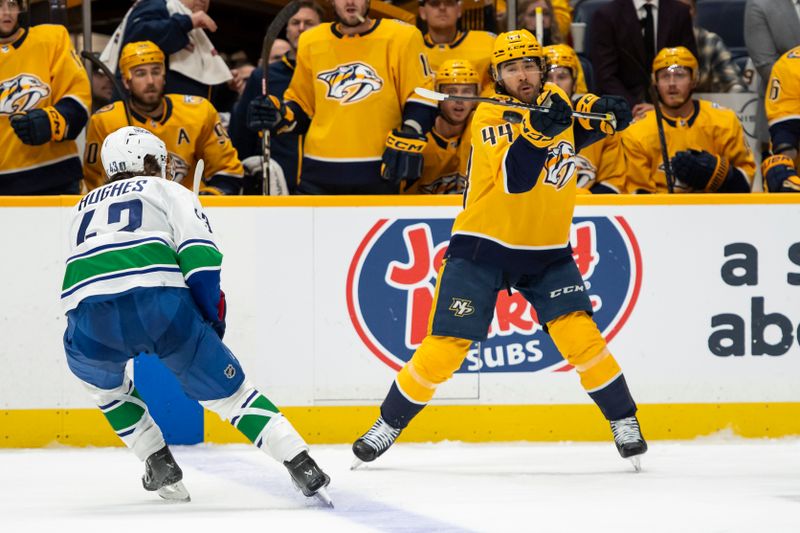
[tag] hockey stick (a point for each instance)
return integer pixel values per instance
(110, 75)
(441, 97)
(274, 28)
(199, 167)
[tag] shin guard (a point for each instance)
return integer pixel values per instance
(128, 415)
(260, 421)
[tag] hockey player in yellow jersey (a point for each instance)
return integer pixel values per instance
(188, 125)
(514, 233)
(443, 39)
(783, 115)
(353, 84)
(600, 165)
(706, 143)
(44, 105)
(447, 151)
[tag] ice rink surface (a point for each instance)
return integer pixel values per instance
(709, 485)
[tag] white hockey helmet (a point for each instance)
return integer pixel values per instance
(125, 149)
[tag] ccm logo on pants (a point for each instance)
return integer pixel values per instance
(566, 290)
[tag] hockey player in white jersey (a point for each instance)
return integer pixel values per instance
(143, 275)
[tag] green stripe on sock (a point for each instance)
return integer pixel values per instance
(262, 402)
(199, 256)
(125, 415)
(251, 426)
(143, 255)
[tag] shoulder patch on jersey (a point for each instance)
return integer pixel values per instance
(191, 99)
(105, 108)
(794, 54)
(21, 93)
(351, 82)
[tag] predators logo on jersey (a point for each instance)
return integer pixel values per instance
(560, 164)
(178, 167)
(586, 171)
(351, 82)
(22, 93)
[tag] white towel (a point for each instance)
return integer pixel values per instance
(203, 64)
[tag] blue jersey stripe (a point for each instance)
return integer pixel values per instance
(186, 243)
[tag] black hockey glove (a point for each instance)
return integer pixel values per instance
(556, 120)
(39, 126)
(780, 175)
(266, 113)
(402, 157)
(615, 105)
(700, 170)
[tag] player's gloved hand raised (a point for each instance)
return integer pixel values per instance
(39, 126)
(616, 105)
(222, 312)
(700, 170)
(780, 174)
(265, 113)
(557, 119)
(402, 157)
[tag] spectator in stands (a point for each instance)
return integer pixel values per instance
(353, 83)
(624, 36)
(718, 72)
(771, 28)
(188, 125)
(282, 46)
(600, 165)
(707, 147)
(551, 30)
(444, 40)
(176, 26)
(44, 105)
(783, 113)
(447, 152)
(285, 149)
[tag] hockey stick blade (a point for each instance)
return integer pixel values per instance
(199, 167)
(441, 97)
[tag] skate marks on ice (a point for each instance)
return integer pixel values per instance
(731, 486)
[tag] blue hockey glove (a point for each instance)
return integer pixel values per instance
(402, 157)
(616, 105)
(780, 175)
(39, 126)
(700, 170)
(556, 120)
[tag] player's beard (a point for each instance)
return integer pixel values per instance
(7, 34)
(675, 107)
(148, 104)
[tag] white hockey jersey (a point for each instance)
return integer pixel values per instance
(141, 232)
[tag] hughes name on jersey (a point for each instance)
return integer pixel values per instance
(141, 232)
(355, 90)
(190, 128)
(39, 70)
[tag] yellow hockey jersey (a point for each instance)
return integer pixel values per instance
(520, 198)
(474, 46)
(712, 128)
(191, 129)
(445, 164)
(41, 69)
(355, 90)
(782, 100)
(602, 162)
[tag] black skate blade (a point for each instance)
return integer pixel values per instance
(175, 493)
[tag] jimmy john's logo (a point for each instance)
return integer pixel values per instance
(21, 94)
(351, 82)
(560, 164)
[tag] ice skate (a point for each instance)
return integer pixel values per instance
(374, 442)
(309, 478)
(629, 440)
(162, 474)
